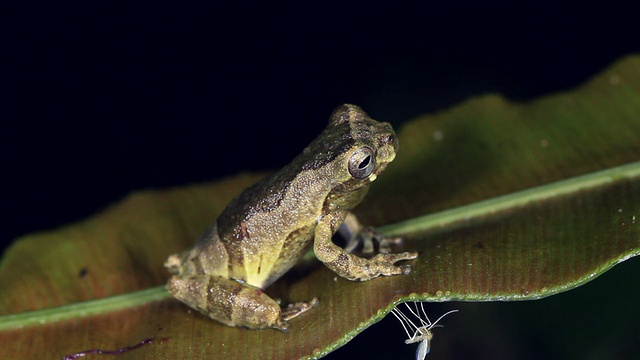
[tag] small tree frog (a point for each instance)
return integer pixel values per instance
(264, 231)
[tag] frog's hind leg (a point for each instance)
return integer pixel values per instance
(365, 241)
(234, 303)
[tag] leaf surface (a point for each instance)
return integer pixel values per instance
(503, 200)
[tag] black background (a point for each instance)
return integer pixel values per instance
(103, 99)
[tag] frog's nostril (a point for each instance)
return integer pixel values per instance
(390, 139)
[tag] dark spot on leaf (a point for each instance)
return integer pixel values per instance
(109, 352)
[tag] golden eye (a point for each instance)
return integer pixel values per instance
(362, 163)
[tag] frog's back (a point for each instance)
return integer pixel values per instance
(270, 225)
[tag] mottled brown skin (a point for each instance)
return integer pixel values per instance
(265, 230)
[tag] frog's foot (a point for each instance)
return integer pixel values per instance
(383, 265)
(351, 266)
(367, 240)
(296, 309)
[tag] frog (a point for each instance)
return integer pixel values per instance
(264, 231)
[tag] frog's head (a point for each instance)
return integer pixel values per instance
(352, 151)
(372, 145)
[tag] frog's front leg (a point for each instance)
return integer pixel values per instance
(351, 266)
(234, 303)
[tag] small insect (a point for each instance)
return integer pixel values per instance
(421, 333)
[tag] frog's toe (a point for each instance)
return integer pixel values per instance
(280, 325)
(410, 255)
(296, 309)
(394, 258)
(392, 270)
(405, 269)
(402, 270)
(385, 263)
(388, 242)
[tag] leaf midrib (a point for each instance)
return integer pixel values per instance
(522, 198)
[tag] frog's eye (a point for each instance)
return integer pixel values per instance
(362, 163)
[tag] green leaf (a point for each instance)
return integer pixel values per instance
(504, 201)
